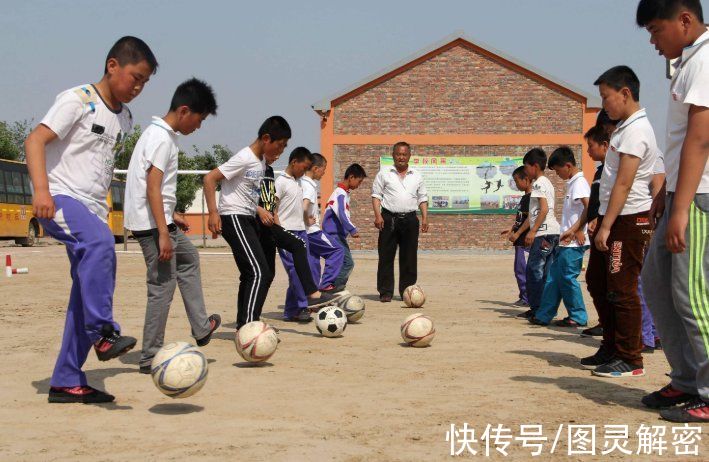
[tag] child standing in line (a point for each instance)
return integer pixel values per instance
(518, 232)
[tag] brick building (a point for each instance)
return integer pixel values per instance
(454, 98)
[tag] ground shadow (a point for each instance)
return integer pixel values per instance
(293, 331)
(274, 315)
(497, 302)
(96, 379)
(554, 359)
(249, 365)
(175, 408)
(571, 338)
(231, 325)
(224, 335)
(373, 297)
(507, 312)
(130, 358)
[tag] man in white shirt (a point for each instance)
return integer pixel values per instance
(675, 272)
(396, 194)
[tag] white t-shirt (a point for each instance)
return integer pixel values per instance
(241, 188)
(576, 189)
(542, 187)
(290, 202)
(157, 147)
(310, 192)
(80, 161)
(633, 137)
(690, 86)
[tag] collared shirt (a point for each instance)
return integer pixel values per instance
(577, 188)
(690, 87)
(156, 147)
(399, 195)
(310, 192)
(241, 188)
(290, 202)
(542, 187)
(634, 137)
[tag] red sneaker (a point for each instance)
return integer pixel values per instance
(666, 396)
(83, 395)
(696, 410)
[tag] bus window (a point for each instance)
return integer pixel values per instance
(3, 196)
(117, 199)
(13, 185)
(28, 188)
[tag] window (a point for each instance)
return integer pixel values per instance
(27, 187)
(3, 196)
(117, 198)
(13, 186)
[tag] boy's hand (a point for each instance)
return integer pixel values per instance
(529, 240)
(676, 229)
(43, 205)
(180, 221)
(512, 237)
(311, 221)
(566, 236)
(355, 235)
(602, 238)
(580, 237)
(266, 217)
(379, 222)
(507, 231)
(592, 225)
(657, 209)
(214, 223)
(165, 244)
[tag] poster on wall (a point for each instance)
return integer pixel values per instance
(472, 185)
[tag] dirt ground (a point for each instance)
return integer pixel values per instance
(362, 397)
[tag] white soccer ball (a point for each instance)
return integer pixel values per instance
(353, 306)
(414, 296)
(256, 341)
(331, 321)
(417, 330)
(179, 370)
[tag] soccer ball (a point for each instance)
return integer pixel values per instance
(331, 321)
(414, 296)
(179, 370)
(353, 306)
(256, 341)
(417, 330)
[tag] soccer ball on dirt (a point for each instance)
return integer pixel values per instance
(256, 341)
(414, 296)
(179, 370)
(417, 330)
(331, 321)
(353, 306)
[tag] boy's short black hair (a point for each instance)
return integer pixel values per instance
(536, 156)
(318, 160)
(620, 77)
(520, 173)
(131, 50)
(300, 154)
(599, 134)
(562, 156)
(276, 127)
(196, 95)
(604, 119)
(649, 10)
(356, 171)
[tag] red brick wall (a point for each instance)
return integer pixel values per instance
(459, 92)
(446, 231)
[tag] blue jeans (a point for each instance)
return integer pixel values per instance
(562, 284)
(541, 254)
(347, 262)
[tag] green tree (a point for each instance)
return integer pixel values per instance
(12, 139)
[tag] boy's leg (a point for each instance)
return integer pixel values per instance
(597, 283)
(570, 268)
(296, 244)
(537, 268)
(189, 278)
(520, 267)
(648, 326)
(347, 262)
(386, 246)
(408, 248)
(551, 294)
(268, 245)
(333, 253)
(296, 300)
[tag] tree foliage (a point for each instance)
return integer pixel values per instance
(12, 139)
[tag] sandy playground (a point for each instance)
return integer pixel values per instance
(362, 397)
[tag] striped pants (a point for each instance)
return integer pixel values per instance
(677, 294)
(241, 233)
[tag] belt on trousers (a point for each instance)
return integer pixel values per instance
(172, 227)
(398, 215)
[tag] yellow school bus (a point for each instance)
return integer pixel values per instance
(16, 219)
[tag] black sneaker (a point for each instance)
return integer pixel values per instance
(667, 396)
(537, 322)
(599, 358)
(521, 303)
(113, 346)
(527, 314)
(83, 395)
(326, 298)
(648, 350)
(333, 288)
(697, 410)
(618, 368)
(146, 369)
(214, 322)
(302, 317)
(595, 331)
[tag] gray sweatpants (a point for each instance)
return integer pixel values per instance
(677, 294)
(162, 277)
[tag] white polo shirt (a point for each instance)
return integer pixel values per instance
(690, 86)
(241, 187)
(542, 187)
(80, 162)
(290, 203)
(577, 188)
(634, 137)
(399, 195)
(156, 147)
(310, 192)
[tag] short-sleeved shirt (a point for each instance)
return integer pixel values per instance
(290, 202)
(156, 147)
(594, 202)
(241, 188)
(310, 192)
(522, 214)
(689, 87)
(633, 137)
(542, 187)
(577, 188)
(80, 162)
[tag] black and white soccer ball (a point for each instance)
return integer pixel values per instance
(331, 321)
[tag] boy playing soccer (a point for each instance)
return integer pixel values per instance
(543, 235)
(518, 232)
(337, 224)
(623, 227)
(318, 243)
(150, 201)
(566, 265)
(70, 157)
(674, 277)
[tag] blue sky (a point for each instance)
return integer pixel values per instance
(279, 57)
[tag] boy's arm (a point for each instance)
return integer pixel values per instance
(619, 194)
(42, 202)
(154, 193)
(343, 216)
(209, 182)
(309, 221)
(658, 180)
(579, 232)
(692, 162)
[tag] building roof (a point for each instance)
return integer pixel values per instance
(457, 38)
